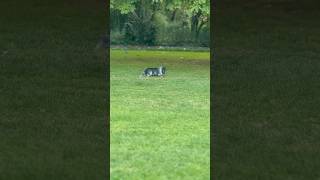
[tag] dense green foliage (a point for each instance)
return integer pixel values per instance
(160, 126)
(160, 22)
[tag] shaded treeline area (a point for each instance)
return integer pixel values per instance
(160, 22)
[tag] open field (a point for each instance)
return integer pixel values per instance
(267, 90)
(52, 91)
(160, 126)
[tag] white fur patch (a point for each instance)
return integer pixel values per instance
(160, 70)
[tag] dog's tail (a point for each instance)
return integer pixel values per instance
(141, 75)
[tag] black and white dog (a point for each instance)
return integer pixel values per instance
(160, 71)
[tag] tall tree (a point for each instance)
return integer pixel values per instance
(124, 6)
(200, 12)
(195, 13)
(197, 10)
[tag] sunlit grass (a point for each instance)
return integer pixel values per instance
(160, 126)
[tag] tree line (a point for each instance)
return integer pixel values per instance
(160, 22)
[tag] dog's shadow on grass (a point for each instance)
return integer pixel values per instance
(151, 78)
(142, 81)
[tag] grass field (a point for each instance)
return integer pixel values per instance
(267, 90)
(160, 126)
(52, 91)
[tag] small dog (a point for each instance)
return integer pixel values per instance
(160, 71)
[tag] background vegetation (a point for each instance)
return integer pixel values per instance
(160, 22)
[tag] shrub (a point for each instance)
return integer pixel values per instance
(140, 28)
(117, 37)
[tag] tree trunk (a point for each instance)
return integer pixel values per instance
(199, 29)
(194, 24)
(173, 17)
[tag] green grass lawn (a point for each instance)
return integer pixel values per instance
(160, 126)
(52, 91)
(267, 90)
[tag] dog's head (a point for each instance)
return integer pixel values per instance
(162, 69)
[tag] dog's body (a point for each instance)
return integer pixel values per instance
(160, 71)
